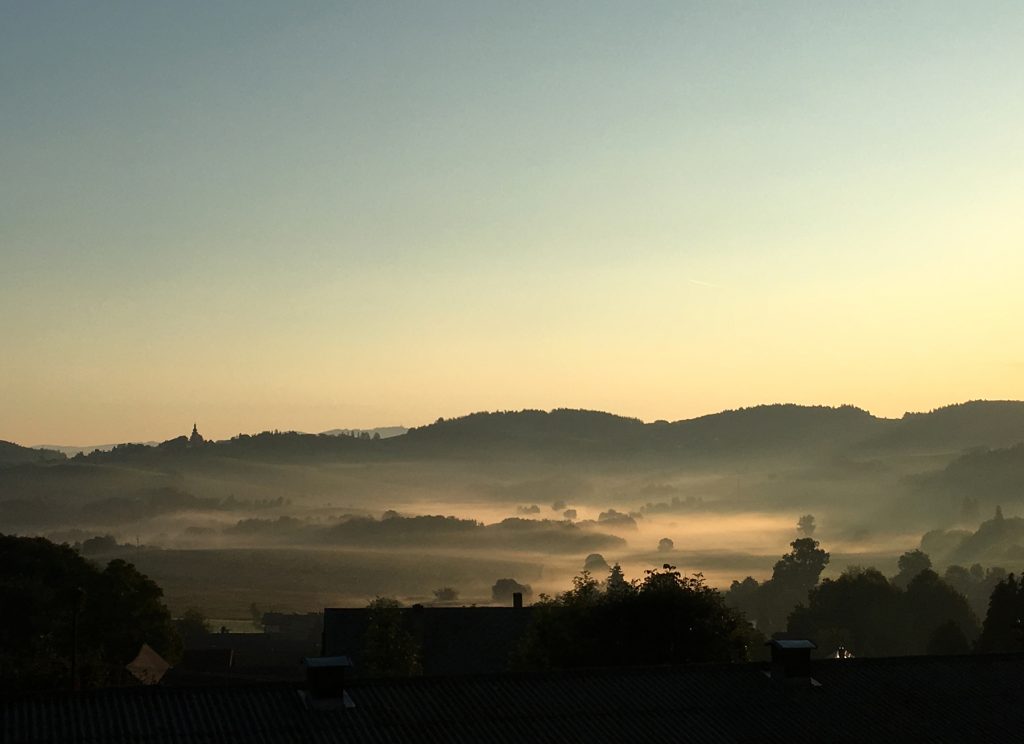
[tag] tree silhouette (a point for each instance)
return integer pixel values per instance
(389, 647)
(806, 525)
(871, 616)
(1002, 631)
(665, 618)
(192, 625)
(503, 590)
(46, 590)
(910, 564)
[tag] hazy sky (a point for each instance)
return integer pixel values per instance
(311, 215)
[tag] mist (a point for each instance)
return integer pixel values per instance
(305, 521)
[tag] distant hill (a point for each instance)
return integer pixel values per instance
(978, 423)
(777, 427)
(540, 431)
(781, 430)
(72, 450)
(761, 429)
(15, 454)
(985, 476)
(385, 432)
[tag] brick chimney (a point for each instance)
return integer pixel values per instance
(517, 600)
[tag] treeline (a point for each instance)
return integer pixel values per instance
(395, 530)
(118, 510)
(15, 454)
(865, 613)
(756, 431)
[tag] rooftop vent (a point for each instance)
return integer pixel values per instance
(791, 661)
(325, 683)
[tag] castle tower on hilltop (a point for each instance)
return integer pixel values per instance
(196, 437)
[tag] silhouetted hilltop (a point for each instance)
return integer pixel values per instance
(741, 432)
(384, 432)
(978, 423)
(71, 450)
(769, 430)
(15, 454)
(776, 427)
(267, 445)
(562, 429)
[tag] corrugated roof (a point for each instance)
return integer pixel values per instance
(967, 698)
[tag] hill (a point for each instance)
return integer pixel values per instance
(780, 430)
(978, 423)
(384, 432)
(15, 454)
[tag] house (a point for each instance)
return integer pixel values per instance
(937, 699)
(451, 640)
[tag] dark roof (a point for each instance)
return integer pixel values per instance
(964, 698)
(452, 640)
(792, 645)
(328, 662)
(206, 659)
(260, 649)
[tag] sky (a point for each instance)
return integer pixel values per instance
(259, 215)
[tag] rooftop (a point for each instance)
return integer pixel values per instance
(956, 698)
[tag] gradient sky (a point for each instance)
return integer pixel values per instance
(314, 215)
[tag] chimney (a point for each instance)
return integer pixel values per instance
(517, 600)
(791, 661)
(325, 683)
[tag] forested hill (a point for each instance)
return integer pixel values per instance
(750, 432)
(767, 429)
(980, 423)
(13, 454)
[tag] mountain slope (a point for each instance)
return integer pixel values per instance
(15, 454)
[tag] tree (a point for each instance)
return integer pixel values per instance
(948, 639)
(768, 605)
(446, 594)
(665, 545)
(665, 618)
(802, 566)
(595, 562)
(192, 626)
(859, 610)
(910, 565)
(46, 589)
(389, 647)
(616, 583)
(1002, 630)
(975, 583)
(503, 590)
(928, 604)
(746, 597)
(806, 524)
(793, 576)
(872, 616)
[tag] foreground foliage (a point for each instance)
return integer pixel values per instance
(43, 587)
